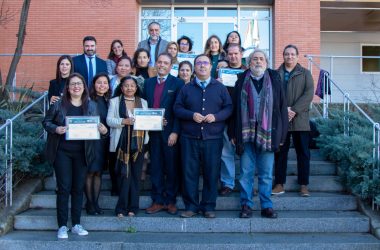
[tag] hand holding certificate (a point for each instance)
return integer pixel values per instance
(229, 76)
(82, 128)
(148, 119)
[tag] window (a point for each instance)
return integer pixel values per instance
(199, 22)
(371, 65)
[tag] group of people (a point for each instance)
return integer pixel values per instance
(205, 126)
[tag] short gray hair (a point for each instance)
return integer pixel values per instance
(258, 51)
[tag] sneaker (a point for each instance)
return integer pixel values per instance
(78, 229)
(62, 232)
(278, 189)
(304, 192)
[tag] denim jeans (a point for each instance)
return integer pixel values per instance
(227, 170)
(263, 160)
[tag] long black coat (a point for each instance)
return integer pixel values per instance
(279, 116)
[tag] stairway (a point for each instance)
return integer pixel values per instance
(327, 220)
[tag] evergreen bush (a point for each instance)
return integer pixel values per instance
(28, 146)
(352, 152)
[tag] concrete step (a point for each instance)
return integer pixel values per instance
(314, 155)
(225, 222)
(287, 201)
(322, 183)
(46, 240)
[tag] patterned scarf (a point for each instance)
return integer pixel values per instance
(131, 141)
(257, 127)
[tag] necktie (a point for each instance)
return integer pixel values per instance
(161, 80)
(90, 72)
(203, 85)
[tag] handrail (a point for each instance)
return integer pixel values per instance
(8, 126)
(327, 81)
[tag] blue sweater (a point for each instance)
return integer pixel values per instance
(213, 100)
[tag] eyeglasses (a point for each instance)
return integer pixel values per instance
(204, 63)
(73, 84)
(184, 44)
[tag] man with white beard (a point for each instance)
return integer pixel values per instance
(258, 127)
(154, 44)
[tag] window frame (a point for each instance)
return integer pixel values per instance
(361, 59)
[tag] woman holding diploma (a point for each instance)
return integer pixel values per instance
(127, 143)
(100, 93)
(70, 158)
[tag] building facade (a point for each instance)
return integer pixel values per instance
(315, 26)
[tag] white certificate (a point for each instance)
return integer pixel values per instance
(174, 70)
(82, 128)
(148, 119)
(186, 57)
(229, 76)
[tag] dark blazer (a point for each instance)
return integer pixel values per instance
(56, 117)
(80, 66)
(279, 116)
(56, 88)
(172, 87)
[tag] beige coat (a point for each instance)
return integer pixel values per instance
(300, 92)
(114, 122)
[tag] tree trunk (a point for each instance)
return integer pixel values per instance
(20, 42)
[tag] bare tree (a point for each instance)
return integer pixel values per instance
(20, 42)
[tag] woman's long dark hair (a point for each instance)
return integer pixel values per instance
(118, 91)
(66, 98)
(136, 55)
(58, 76)
(93, 94)
(112, 55)
(226, 43)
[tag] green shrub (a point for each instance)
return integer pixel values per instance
(352, 153)
(28, 146)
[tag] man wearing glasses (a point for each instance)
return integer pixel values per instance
(202, 106)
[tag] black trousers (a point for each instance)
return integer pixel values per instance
(163, 170)
(70, 170)
(301, 141)
(112, 172)
(197, 154)
(129, 188)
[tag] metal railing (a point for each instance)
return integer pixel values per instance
(7, 184)
(327, 84)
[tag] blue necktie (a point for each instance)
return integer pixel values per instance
(90, 72)
(203, 85)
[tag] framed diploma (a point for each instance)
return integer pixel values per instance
(82, 128)
(148, 119)
(174, 70)
(186, 57)
(229, 76)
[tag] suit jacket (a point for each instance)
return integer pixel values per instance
(80, 66)
(160, 48)
(171, 89)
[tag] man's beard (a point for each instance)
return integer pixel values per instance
(258, 71)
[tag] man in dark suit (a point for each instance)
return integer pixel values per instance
(88, 64)
(161, 92)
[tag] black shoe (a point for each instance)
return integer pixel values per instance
(246, 212)
(98, 209)
(90, 209)
(225, 191)
(268, 213)
(209, 214)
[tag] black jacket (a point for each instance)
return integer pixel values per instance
(279, 116)
(56, 117)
